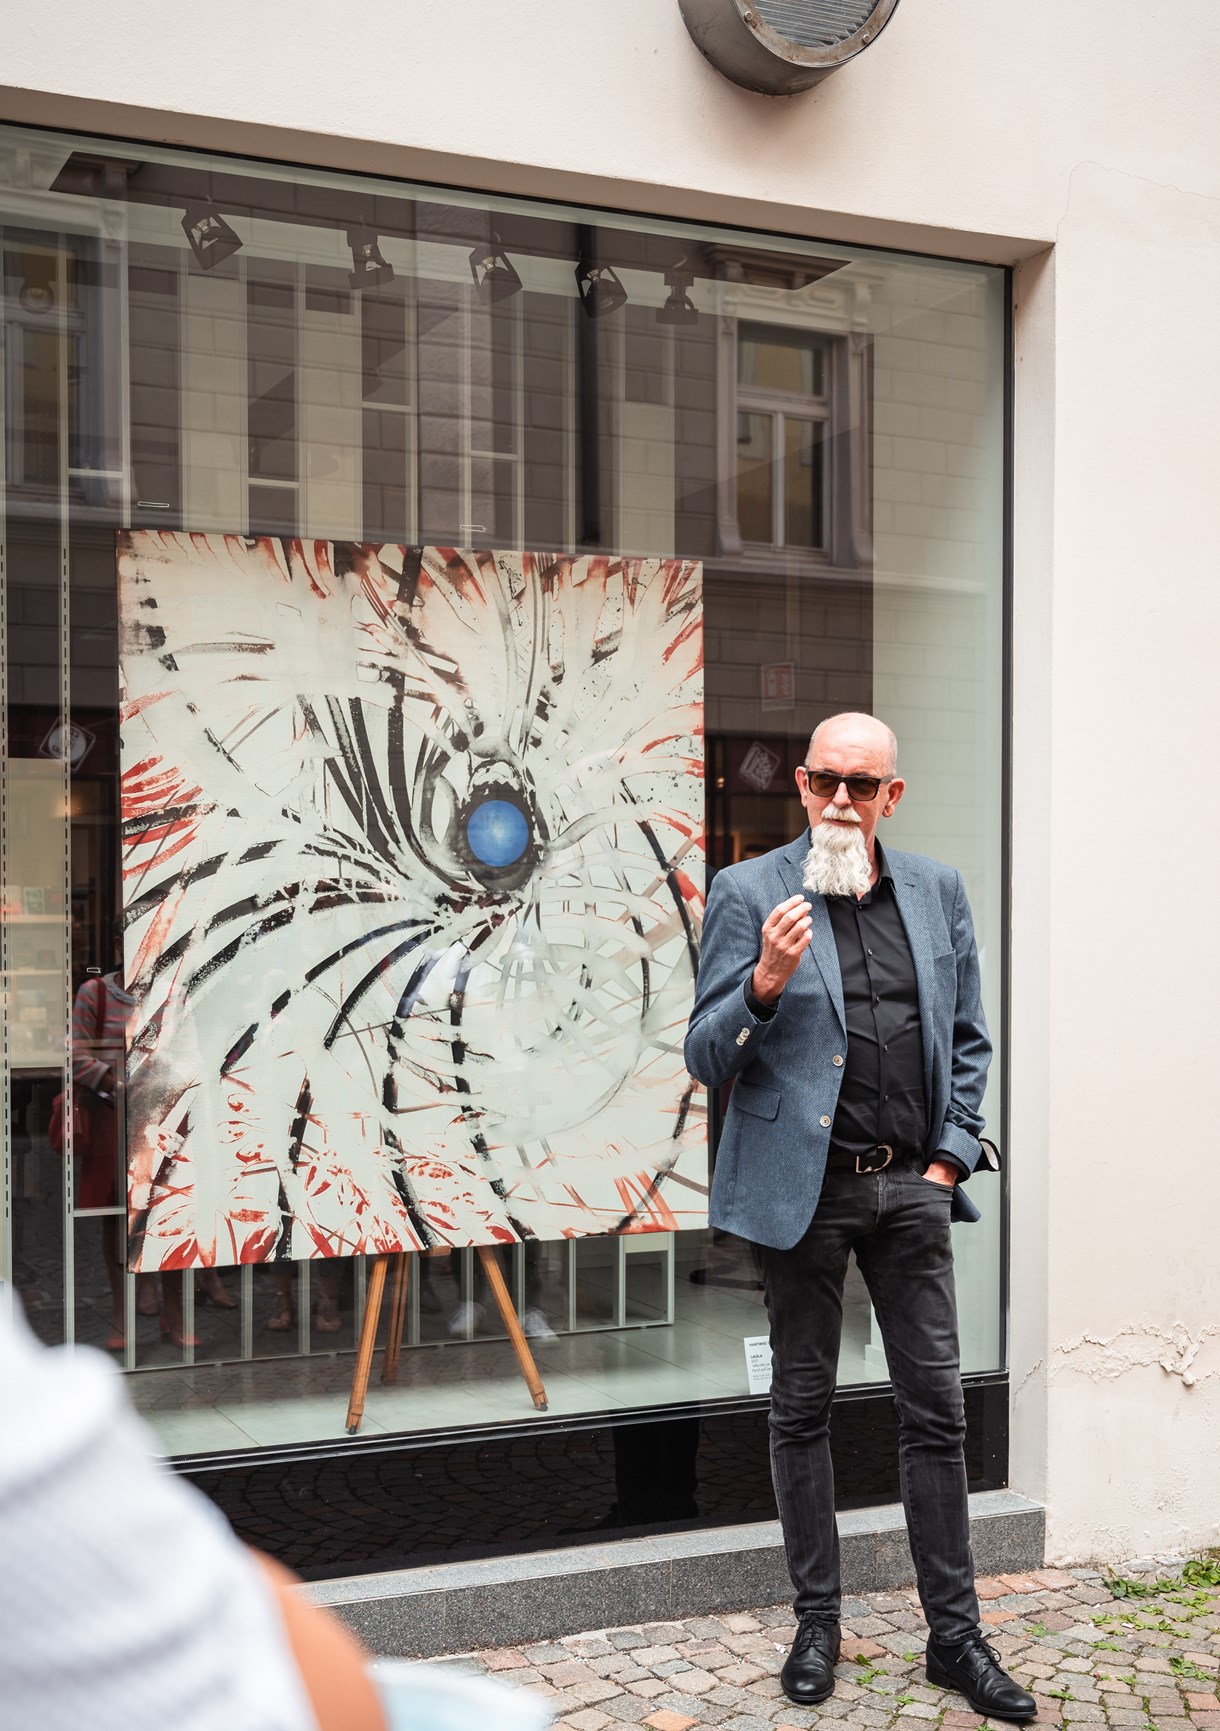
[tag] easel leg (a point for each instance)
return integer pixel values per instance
(368, 1340)
(504, 1304)
(398, 1316)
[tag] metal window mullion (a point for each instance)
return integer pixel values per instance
(519, 422)
(569, 430)
(65, 710)
(412, 412)
(778, 467)
(465, 441)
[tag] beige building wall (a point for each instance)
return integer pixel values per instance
(1081, 144)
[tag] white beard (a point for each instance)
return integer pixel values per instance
(837, 862)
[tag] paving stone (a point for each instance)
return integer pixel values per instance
(722, 1672)
(629, 1708)
(737, 1676)
(595, 1691)
(567, 1672)
(868, 1626)
(665, 1721)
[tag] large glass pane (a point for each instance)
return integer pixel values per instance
(304, 400)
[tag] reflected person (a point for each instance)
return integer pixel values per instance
(839, 985)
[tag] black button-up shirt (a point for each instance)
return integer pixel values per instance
(881, 1098)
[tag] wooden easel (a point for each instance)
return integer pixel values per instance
(398, 1314)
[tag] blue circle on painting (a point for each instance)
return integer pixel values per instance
(498, 832)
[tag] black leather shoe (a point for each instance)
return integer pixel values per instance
(808, 1674)
(973, 1669)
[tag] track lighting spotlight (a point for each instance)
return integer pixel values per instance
(599, 288)
(679, 308)
(369, 269)
(212, 240)
(493, 272)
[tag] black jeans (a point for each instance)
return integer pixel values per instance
(897, 1222)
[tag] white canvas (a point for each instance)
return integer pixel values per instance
(413, 877)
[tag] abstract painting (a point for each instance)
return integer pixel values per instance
(413, 866)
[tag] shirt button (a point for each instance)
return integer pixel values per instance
(824, 1121)
(837, 1059)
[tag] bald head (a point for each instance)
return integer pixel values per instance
(855, 732)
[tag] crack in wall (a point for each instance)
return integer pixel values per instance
(1105, 1358)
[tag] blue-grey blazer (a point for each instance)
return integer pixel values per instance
(787, 1070)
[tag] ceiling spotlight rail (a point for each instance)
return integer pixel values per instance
(219, 208)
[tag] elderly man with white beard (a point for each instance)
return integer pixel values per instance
(839, 992)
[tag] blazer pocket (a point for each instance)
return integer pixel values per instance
(758, 1102)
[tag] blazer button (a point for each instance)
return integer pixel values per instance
(837, 1059)
(824, 1121)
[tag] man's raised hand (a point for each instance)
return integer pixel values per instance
(786, 932)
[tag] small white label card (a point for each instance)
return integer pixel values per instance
(758, 1362)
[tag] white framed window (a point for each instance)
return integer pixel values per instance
(782, 438)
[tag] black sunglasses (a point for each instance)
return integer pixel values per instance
(825, 783)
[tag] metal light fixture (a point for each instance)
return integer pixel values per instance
(600, 289)
(493, 272)
(679, 308)
(780, 46)
(369, 268)
(212, 240)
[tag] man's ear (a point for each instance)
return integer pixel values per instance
(894, 792)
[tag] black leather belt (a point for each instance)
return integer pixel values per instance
(871, 1160)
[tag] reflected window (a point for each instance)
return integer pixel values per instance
(783, 410)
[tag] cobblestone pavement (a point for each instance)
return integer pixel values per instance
(1142, 1661)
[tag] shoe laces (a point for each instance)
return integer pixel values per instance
(983, 1648)
(815, 1631)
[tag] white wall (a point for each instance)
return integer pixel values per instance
(988, 132)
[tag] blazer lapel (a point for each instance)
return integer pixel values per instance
(822, 943)
(912, 905)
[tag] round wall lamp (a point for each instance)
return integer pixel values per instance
(781, 46)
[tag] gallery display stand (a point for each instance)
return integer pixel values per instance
(398, 1311)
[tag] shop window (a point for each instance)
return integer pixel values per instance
(816, 429)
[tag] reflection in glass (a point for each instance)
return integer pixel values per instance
(268, 396)
(804, 483)
(772, 361)
(755, 483)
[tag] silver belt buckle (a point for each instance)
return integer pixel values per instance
(881, 1148)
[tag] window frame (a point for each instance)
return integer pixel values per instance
(780, 407)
